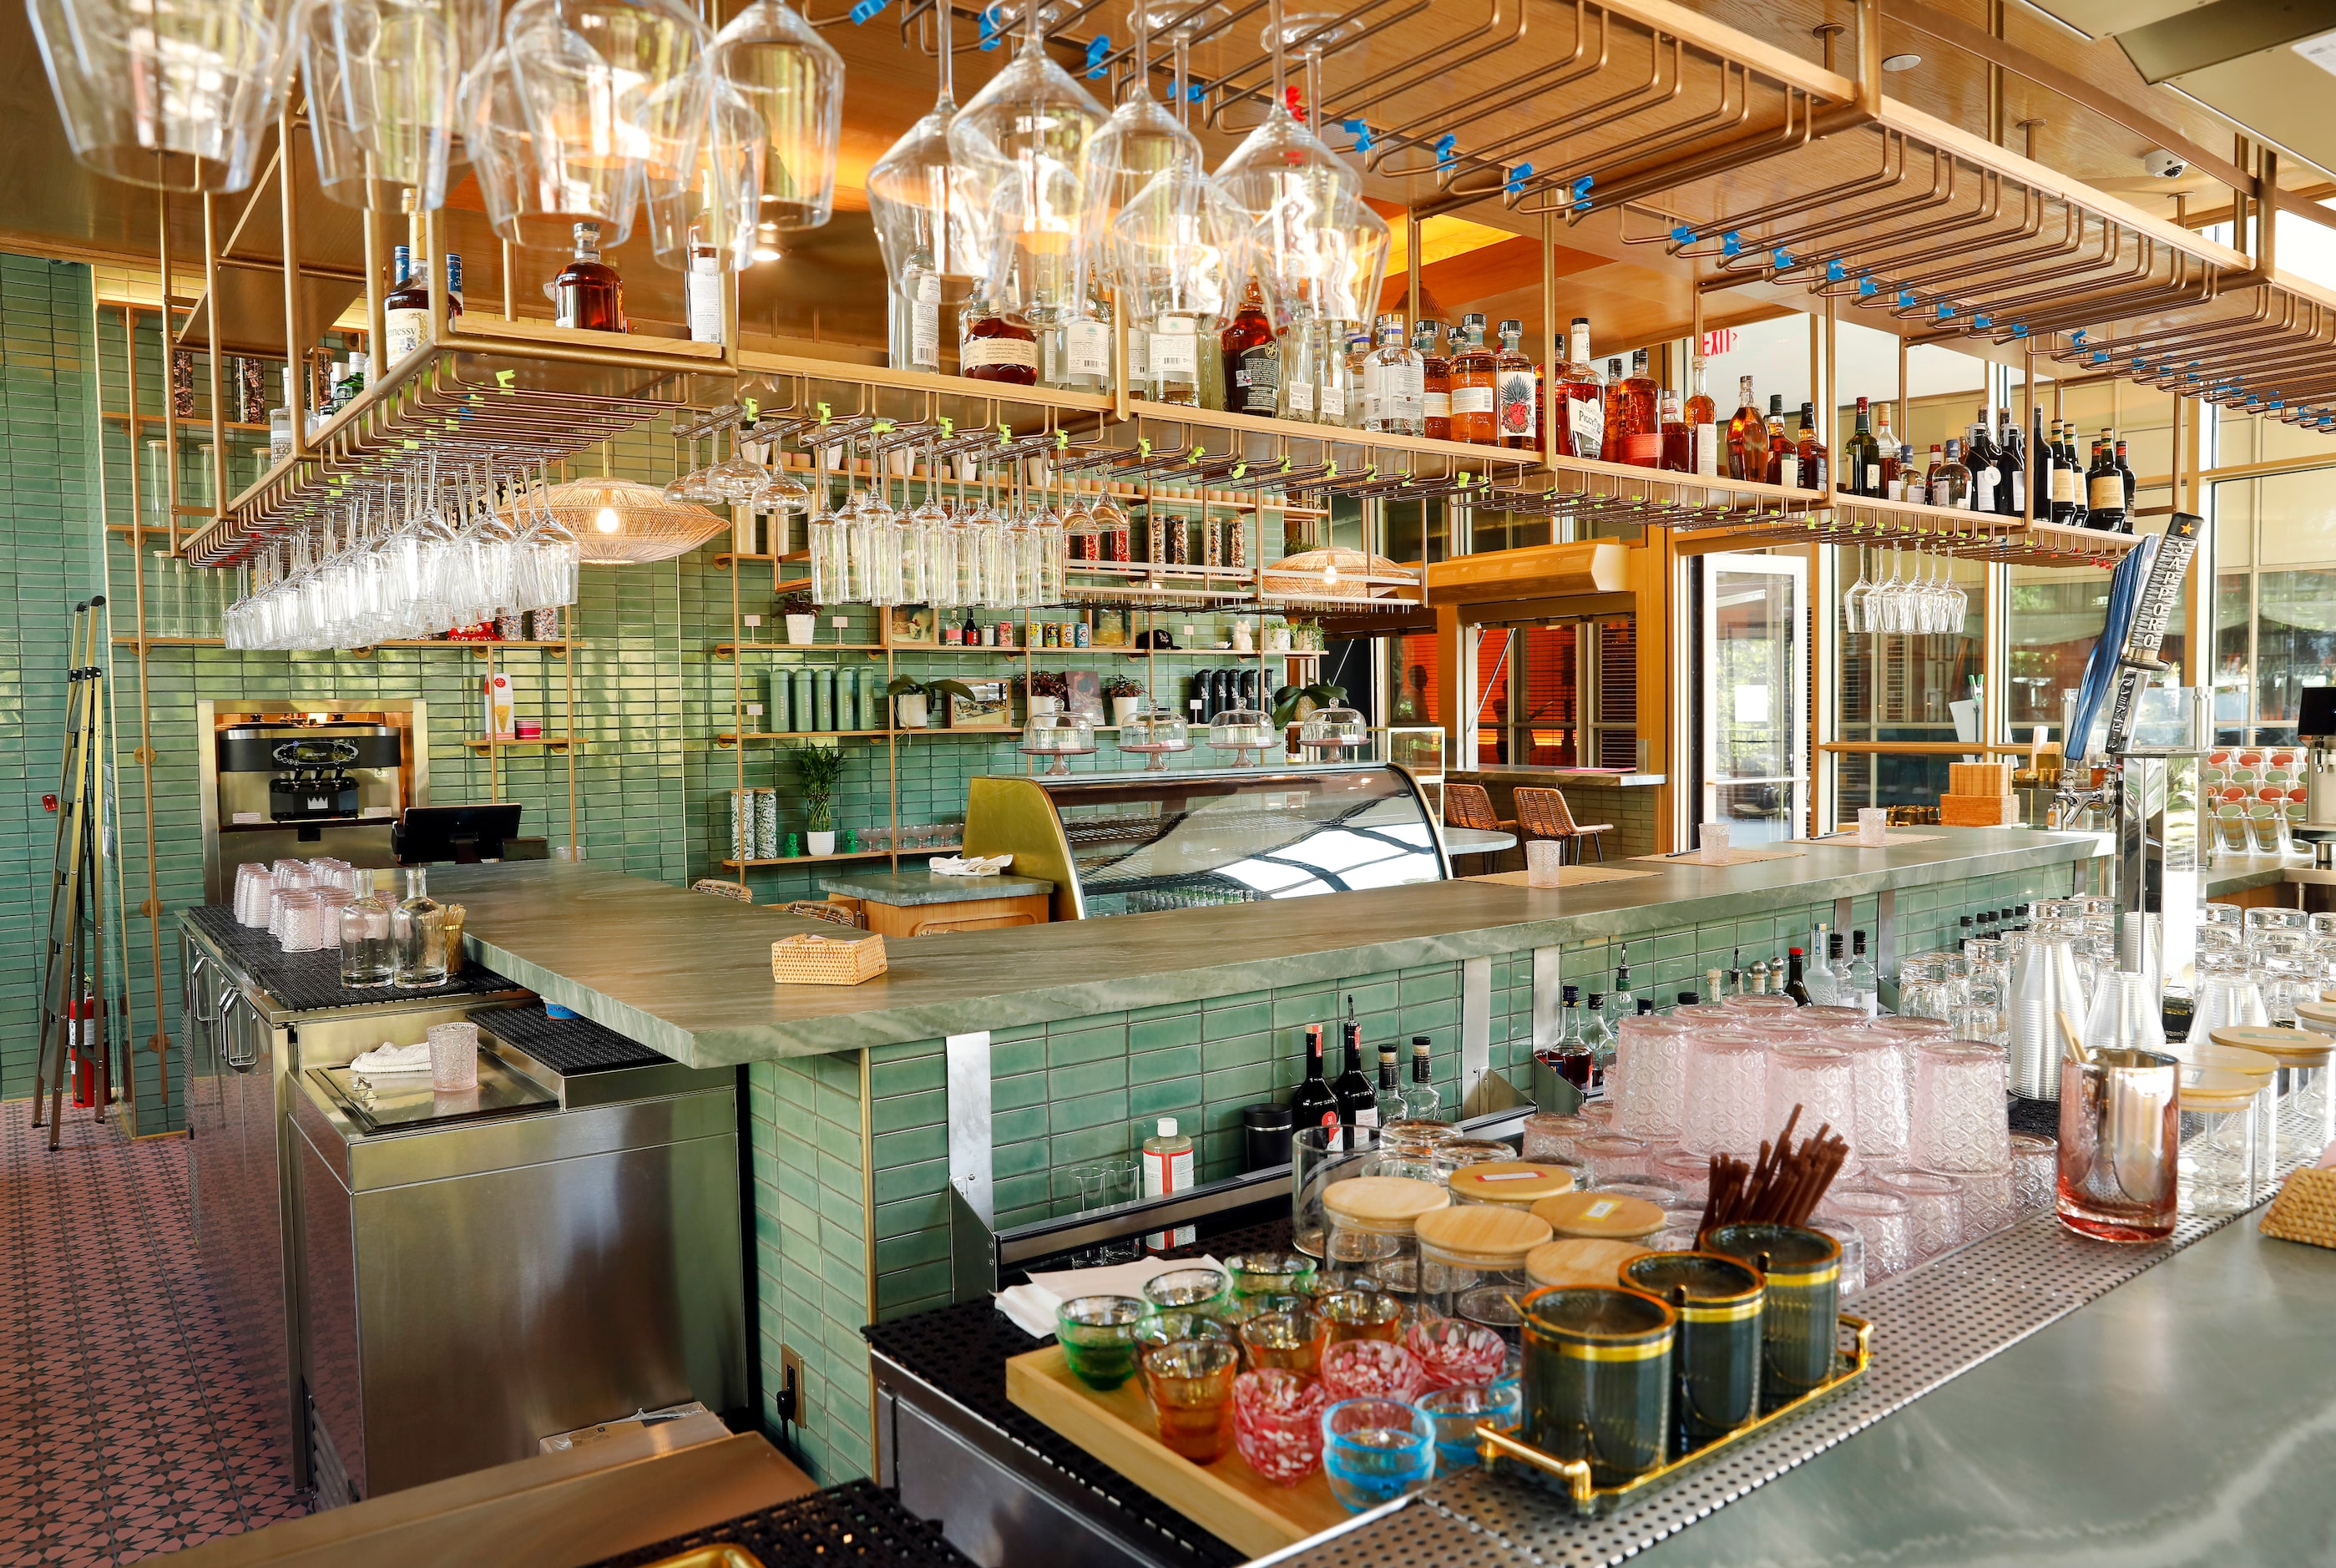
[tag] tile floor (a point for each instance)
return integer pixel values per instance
(125, 1428)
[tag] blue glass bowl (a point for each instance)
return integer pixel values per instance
(1375, 1450)
(1453, 1414)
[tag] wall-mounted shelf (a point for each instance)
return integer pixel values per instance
(498, 743)
(730, 649)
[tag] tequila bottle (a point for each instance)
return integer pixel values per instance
(1578, 403)
(1471, 386)
(1515, 406)
(1436, 382)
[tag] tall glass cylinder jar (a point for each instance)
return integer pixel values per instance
(417, 931)
(366, 956)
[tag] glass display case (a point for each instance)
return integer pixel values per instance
(1126, 843)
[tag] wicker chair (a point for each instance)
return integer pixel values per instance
(722, 890)
(1543, 815)
(1467, 805)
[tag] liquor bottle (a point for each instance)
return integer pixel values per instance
(1914, 479)
(1795, 984)
(1679, 436)
(1077, 352)
(1578, 397)
(1388, 1104)
(1172, 360)
(1420, 1099)
(1861, 457)
(1642, 431)
(2040, 467)
(1597, 1042)
(913, 314)
(588, 294)
(2011, 469)
(1747, 438)
(417, 933)
(1515, 406)
(1394, 382)
(1979, 459)
(1861, 988)
(972, 631)
(1703, 426)
(1574, 1063)
(1312, 1105)
(1252, 357)
(351, 383)
(1618, 419)
(1885, 443)
(1784, 458)
(1620, 1002)
(368, 958)
(1686, 999)
(1816, 463)
(995, 346)
(1436, 382)
(2132, 482)
(1949, 480)
(1756, 982)
(405, 309)
(2105, 489)
(1358, 1097)
(1823, 979)
(1472, 385)
(2067, 477)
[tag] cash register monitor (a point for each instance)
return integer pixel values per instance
(463, 834)
(2316, 714)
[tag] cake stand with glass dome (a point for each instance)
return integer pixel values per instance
(1335, 733)
(1153, 733)
(1059, 737)
(1242, 731)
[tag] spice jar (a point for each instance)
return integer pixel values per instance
(1602, 1216)
(1472, 1262)
(1368, 1222)
(1510, 1183)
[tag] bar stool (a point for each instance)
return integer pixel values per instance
(1542, 813)
(738, 892)
(1468, 805)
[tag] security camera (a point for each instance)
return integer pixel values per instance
(2165, 165)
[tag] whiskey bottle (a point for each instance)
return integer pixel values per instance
(1783, 460)
(1472, 385)
(1436, 382)
(587, 294)
(2105, 489)
(1515, 405)
(1703, 426)
(1394, 398)
(405, 309)
(1861, 457)
(1642, 431)
(1578, 399)
(997, 345)
(1949, 480)
(1809, 447)
(1252, 358)
(1679, 436)
(1747, 438)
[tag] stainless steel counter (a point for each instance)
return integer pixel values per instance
(690, 974)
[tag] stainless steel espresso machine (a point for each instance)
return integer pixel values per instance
(2315, 727)
(280, 782)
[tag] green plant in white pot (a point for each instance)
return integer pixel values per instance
(818, 770)
(1125, 692)
(910, 697)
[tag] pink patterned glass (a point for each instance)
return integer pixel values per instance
(1691, 1173)
(1278, 1424)
(1877, 1071)
(1726, 1093)
(1989, 1201)
(1650, 1055)
(1960, 1107)
(454, 1057)
(302, 925)
(1452, 1354)
(1886, 1220)
(1611, 1157)
(2035, 1167)
(1936, 1205)
(1760, 1002)
(1372, 1370)
(1818, 1079)
(1550, 1138)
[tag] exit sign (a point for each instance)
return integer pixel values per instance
(1718, 341)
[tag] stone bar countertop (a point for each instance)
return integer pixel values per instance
(906, 888)
(690, 973)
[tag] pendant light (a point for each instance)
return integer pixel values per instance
(1022, 150)
(793, 78)
(177, 94)
(619, 522)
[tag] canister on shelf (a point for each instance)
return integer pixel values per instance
(1601, 1216)
(802, 709)
(1509, 1183)
(766, 824)
(777, 709)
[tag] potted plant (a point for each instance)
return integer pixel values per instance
(1042, 690)
(1305, 634)
(1125, 692)
(910, 694)
(818, 768)
(801, 616)
(1292, 703)
(1277, 638)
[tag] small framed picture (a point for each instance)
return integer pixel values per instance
(1112, 626)
(912, 626)
(991, 706)
(1083, 693)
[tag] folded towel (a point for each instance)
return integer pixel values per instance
(969, 866)
(1032, 1306)
(386, 1057)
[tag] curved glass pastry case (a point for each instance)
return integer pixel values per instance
(1124, 843)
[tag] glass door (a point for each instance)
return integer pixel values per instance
(1753, 744)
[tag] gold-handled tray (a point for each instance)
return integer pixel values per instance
(722, 1555)
(1504, 1448)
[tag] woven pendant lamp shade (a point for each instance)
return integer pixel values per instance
(618, 522)
(1331, 574)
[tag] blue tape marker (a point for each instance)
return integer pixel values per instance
(2019, 329)
(1195, 92)
(1444, 144)
(1867, 287)
(1944, 309)
(1096, 50)
(1731, 244)
(1361, 131)
(2079, 335)
(1682, 234)
(867, 11)
(1835, 271)
(2100, 356)
(990, 27)
(1781, 256)
(1981, 322)
(1906, 300)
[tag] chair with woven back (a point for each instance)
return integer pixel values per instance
(1468, 805)
(1542, 813)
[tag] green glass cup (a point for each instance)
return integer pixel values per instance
(1716, 1357)
(1269, 1274)
(1800, 1321)
(1598, 1378)
(1098, 1337)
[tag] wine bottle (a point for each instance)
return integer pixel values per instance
(1311, 1104)
(2103, 490)
(1421, 1100)
(1357, 1099)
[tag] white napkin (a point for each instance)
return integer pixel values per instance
(1032, 1306)
(386, 1057)
(970, 866)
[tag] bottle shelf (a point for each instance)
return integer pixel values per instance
(501, 743)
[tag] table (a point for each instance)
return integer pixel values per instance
(919, 903)
(1476, 841)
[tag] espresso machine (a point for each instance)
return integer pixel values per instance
(2315, 727)
(279, 783)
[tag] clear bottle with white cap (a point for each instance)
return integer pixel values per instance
(1167, 1168)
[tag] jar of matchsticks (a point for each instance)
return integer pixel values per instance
(1802, 1306)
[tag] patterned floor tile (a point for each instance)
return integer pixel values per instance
(133, 1430)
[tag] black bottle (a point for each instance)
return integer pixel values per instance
(2010, 470)
(1357, 1095)
(1794, 987)
(1311, 1104)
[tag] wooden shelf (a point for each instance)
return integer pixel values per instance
(480, 647)
(730, 649)
(549, 742)
(171, 641)
(812, 859)
(723, 560)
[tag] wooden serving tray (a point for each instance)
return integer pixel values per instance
(1228, 1499)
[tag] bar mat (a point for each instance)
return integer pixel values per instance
(1567, 876)
(855, 1523)
(1895, 836)
(568, 1046)
(309, 982)
(1730, 857)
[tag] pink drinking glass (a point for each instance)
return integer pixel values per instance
(1372, 1370)
(1877, 1071)
(1609, 1157)
(1818, 1079)
(1959, 1105)
(1549, 1138)
(1727, 1093)
(1935, 1203)
(1884, 1219)
(1278, 1424)
(1652, 1054)
(1452, 1354)
(454, 1057)
(2035, 1166)
(1990, 1198)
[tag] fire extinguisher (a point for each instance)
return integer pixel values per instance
(80, 1016)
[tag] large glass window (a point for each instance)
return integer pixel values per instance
(2274, 594)
(1897, 688)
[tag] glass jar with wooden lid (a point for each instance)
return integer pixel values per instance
(2259, 1065)
(1472, 1262)
(2222, 1167)
(1408, 1147)
(1602, 1216)
(1369, 1223)
(2302, 1054)
(1459, 1154)
(1510, 1183)
(1581, 1260)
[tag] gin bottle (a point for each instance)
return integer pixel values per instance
(417, 931)
(365, 956)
